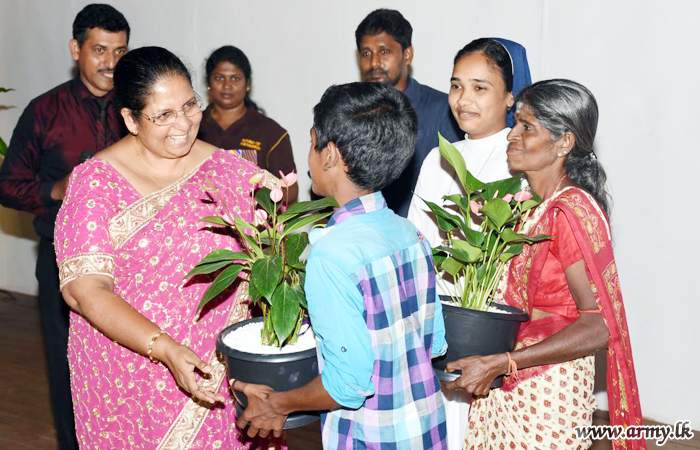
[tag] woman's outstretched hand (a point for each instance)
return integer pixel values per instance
(182, 363)
(478, 372)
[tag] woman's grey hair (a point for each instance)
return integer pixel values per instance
(564, 105)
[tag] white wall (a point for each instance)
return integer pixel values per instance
(638, 57)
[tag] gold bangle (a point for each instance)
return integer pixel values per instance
(150, 345)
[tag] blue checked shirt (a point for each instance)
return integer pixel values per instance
(370, 288)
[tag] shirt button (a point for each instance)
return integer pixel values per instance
(343, 349)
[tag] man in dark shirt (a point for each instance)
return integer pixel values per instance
(384, 41)
(57, 131)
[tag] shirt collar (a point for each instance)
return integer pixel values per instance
(361, 205)
(82, 93)
(412, 86)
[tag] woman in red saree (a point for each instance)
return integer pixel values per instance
(128, 232)
(568, 284)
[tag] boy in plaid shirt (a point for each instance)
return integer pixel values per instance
(370, 287)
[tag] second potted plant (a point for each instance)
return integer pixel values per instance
(482, 237)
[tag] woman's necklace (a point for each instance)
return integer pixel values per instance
(145, 168)
(556, 188)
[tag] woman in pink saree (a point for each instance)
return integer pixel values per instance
(144, 370)
(568, 284)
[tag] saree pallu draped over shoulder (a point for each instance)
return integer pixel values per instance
(147, 245)
(542, 406)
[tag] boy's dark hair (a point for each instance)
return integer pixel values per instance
(496, 54)
(389, 21)
(374, 127)
(99, 15)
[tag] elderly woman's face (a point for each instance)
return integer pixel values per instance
(530, 145)
(478, 96)
(171, 94)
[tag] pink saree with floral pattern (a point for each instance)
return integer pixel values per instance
(147, 245)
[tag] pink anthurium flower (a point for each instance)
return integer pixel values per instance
(260, 216)
(507, 198)
(521, 196)
(289, 179)
(475, 207)
(280, 227)
(276, 195)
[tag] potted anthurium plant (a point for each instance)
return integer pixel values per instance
(264, 349)
(481, 228)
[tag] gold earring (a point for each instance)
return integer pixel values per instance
(134, 132)
(208, 88)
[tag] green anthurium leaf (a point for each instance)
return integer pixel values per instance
(266, 275)
(538, 238)
(480, 272)
(498, 211)
(445, 220)
(300, 222)
(223, 255)
(511, 236)
(438, 259)
(242, 224)
(475, 238)
(460, 254)
(302, 297)
(285, 310)
(503, 187)
(296, 244)
(474, 253)
(202, 269)
(472, 183)
(452, 266)
(459, 200)
(253, 292)
(262, 196)
(306, 207)
(3, 147)
(510, 252)
(454, 159)
(215, 220)
(253, 244)
(490, 244)
(220, 284)
(529, 204)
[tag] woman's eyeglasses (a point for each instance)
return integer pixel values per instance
(191, 108)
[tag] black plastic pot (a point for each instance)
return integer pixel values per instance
(282, 372)
(470, 332)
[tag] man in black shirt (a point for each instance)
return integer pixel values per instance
(57, 131)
